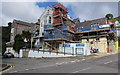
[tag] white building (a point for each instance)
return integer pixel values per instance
(46, 18)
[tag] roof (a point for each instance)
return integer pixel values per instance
(24, 23)
(100, 21)
(76, 20)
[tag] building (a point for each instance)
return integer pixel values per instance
(18, 26)
(45, 19)
(100, 33)
(55, 27)
(59, 28)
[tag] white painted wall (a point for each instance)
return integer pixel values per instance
(72, 49)
(39, 54)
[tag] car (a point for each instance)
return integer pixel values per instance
(95, 50)
(8, 55)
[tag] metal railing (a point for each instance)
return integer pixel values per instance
(89, 29)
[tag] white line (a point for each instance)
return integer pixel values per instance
(59, 63)
(75, 71)
(83, 59)
(78, 60)
(65, 62)
(15, 71)
(81, 70)
(26, 69)
(108, 62)
(72, 61)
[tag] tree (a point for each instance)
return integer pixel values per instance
(19, 43)
(5, 36)
(109, 16)
(26, 35)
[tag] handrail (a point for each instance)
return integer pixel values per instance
(50, 45)
(89, 28)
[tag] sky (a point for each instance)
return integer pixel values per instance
(30, 11)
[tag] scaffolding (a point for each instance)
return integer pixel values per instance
(62, 31)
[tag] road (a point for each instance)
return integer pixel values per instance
(108, 64)
(101, 65)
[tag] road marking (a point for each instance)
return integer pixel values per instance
(26, 69)
(108, 62)
(66, 62)
(72, 61)
(81, 70)
(11, 66)
(77, 60)
(0, 73)
(83, 59)
(59, 63)
(15, 71)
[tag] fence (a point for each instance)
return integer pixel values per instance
(89, 28)
(48, 26)
(57, 33)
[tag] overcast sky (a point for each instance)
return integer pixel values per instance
(31, 11)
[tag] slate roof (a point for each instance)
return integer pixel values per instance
(24, 23)
(88, 23)
(76, 20)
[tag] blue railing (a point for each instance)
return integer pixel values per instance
(89, 28)
(56, 33)
(48, 26)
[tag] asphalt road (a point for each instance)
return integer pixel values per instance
(101, 65)
(108, 64)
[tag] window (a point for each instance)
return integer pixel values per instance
(49, 19)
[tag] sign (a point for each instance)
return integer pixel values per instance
(80, 44)
(66, 45)
(104, 26)
(80, 51)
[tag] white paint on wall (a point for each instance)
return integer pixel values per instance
(73, 49)
(39, 54)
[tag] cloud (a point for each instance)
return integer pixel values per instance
(25, 11)
(91, 10)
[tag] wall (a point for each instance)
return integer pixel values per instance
(101, 45)
(40, 54)
(19, 26)
(44, 19)
(75, 48)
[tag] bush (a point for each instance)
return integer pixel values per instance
(19, 43)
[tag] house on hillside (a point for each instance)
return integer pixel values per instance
(45, 19)
(18, 26)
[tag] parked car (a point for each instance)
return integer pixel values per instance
(8, 55)
(95, 50)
